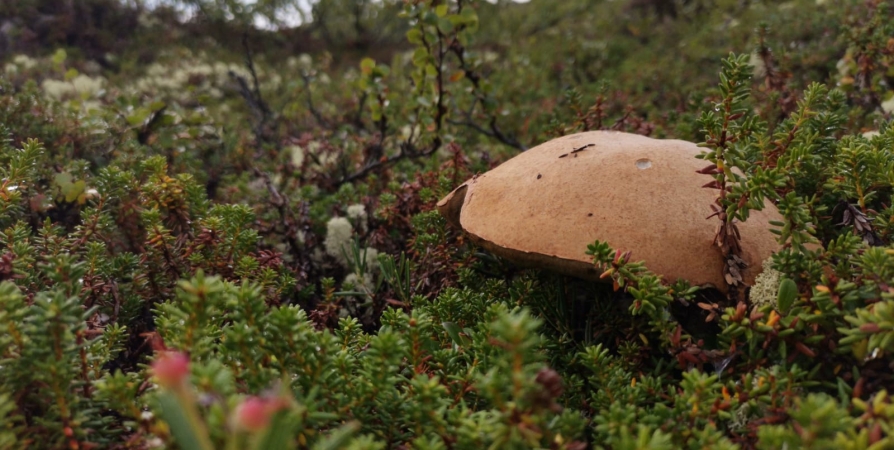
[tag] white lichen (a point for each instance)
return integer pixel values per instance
(323, 157)
(91, 105)
(146, 20)
(86, 86)
(844, 64)
(24, 61)
(361, 283)
(184, 75)
(759, 69)
(888, 105)
(371, 259)
(81, 87)
(296, 154)
(339, 234)
(407, 131)
(20, 63)
(303, 62)
(357, 214)
(766, 285)
(57, 90)
(339, 244)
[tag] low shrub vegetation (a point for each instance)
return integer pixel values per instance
(218, 229)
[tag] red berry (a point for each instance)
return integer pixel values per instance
(171, 369)
(253, 414)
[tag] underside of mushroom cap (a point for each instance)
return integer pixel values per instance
(543, 207)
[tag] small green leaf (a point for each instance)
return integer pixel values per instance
(376, 111)
(167, 119)
(63, 179)
(76, 192)
(59, 57)
(367, 65)
(69, 189)
(278, 435)
(339, 438)
(138, 117)
(414, 36)
(470, 18)
(187, 429)
(788, 292)
(445, 25)
(430, 18)
(420, 57)
(454, 331)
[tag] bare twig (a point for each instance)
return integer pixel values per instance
(493, 131)
(358, 116)
(149, 126)
(408, 150)
(305, 77)
(252, 95)
(621, 120)
(405, 152)
(287, 218)
(375, 161)
(475, 79)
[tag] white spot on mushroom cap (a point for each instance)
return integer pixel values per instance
(643, 164)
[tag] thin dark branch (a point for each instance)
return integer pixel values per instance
(305, 77)
(358, 116)
(252, 96)
(493, 132)
(249, 62)
(621, 120)
(473, 77)
(281, 204)
(405, 152)
(407, 148)
(154, 120)
(256, 108)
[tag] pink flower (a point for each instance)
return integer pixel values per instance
(254, 413)
(171, 369)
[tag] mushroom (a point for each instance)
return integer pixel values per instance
(543, 207)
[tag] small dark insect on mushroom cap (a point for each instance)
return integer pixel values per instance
(634, 192)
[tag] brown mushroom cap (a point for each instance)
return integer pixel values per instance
(543, 207)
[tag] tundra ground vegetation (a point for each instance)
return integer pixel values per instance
(217, 229)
